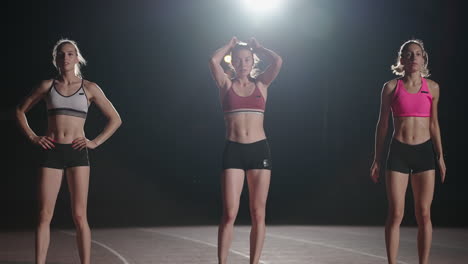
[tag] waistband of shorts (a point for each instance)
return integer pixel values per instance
(62, 144)
(396, 141)
(247, 144)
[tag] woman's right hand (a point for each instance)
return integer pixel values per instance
(375, 171)
(43, 141)
(233, 42)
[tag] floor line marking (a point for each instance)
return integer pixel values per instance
(102, 245)
(197, 241)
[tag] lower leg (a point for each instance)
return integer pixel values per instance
(78, 183)
(423, 191)
(424, 240)
(392, 238)
(225, 233)
(396, 184)
(232, 181)
(83, 240)
(42, 241)
(259, 184)
(49, 186)
(257, 238)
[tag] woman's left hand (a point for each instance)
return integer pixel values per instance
(82, 142)
(442, 168)
(253, 43)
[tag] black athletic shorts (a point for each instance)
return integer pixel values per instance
(64, 156)
(247, 156)
(406, 158)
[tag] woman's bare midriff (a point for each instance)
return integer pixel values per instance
(244, 127)
(412, 130)
(64, 129)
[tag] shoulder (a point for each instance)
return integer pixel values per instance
(389, 86)
(433, 88)
(45, 85)
(256, 80)
(91, 87)
(230, 81)
(432, 84)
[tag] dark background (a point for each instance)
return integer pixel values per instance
(162, 166)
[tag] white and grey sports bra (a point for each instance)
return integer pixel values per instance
(72, 105)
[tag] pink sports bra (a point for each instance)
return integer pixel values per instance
(411, 104)
(233, 103)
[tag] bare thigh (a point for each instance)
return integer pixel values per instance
(422, 184)
(232, 182)
(78, 184)
(48, 189)
(396, 184)
(259, 184)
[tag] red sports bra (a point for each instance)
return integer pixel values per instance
(233, 103)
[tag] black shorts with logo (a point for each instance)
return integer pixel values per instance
(249, 156)
(64, 156)
(406, 158)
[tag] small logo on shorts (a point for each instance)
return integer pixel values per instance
(424, 92)
(81, 93)
(266, 163)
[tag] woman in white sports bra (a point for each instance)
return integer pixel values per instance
(65, 146)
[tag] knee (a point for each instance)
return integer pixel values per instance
(45, 216)
(258, 215)
(423, 216)
(229, 216)
(395, 216)
(80, 218)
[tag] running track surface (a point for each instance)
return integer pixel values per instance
(197, 244)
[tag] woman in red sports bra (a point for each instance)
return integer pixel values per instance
(415, 147)
(246, 150)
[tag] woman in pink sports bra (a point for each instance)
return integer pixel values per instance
(415, 148)
(246, 151)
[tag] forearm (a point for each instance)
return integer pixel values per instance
(380, 135)
(219, 54)
(436, 139)
(23, 124)
(108, 131)
(270, 55)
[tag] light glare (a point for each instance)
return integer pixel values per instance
(262, 6)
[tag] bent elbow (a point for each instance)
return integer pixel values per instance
(278, 61)
(115, 121)
(18, 113)
(212, 61)
(118, 122)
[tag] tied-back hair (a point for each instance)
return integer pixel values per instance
(398, 68)
(256, 71)
(81, 59)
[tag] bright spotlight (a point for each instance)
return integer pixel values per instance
(262, 6)
(227, 58)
